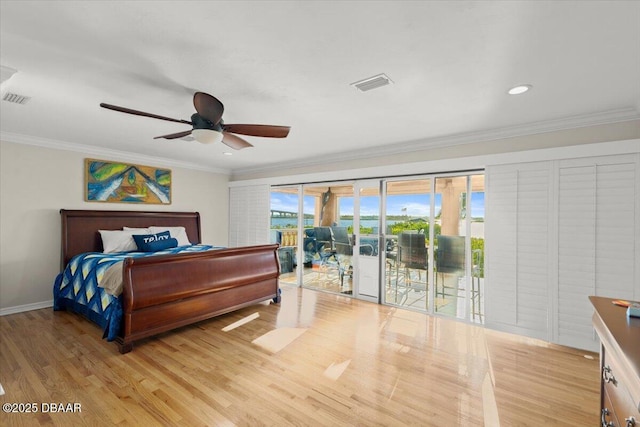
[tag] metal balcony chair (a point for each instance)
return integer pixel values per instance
(477, 273)
(324, 244)
(450, 259)
(412, 255)
(344, 252)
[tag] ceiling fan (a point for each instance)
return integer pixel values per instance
(208, 126)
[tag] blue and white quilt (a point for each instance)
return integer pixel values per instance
(79, 287)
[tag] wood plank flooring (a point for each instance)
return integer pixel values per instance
(314, 360)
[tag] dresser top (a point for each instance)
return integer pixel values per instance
(623, 330)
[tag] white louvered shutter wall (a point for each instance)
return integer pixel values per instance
(517, 249)
(500, 243)
(557, 232)
(533, 250)
(597, 235)
(249, 215)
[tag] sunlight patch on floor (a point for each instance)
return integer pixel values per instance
(334, 371)
(276, 340)
(489, 406)
(241, 322)
(398, 347)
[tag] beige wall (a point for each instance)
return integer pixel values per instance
(36, 182)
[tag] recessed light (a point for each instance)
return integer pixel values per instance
(520, 89)
(227, 153)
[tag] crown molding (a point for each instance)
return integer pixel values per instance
(607, 117)
(105, 152)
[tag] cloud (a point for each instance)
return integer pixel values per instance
(284, 202)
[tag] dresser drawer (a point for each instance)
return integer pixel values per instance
(619, 412)
(621, 404)
(608, 415)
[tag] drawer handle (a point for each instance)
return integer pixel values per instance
(603, 418)
(607, 375)
(630, 422)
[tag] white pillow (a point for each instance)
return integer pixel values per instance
(145, 230)
(178, 233)
(118, 241)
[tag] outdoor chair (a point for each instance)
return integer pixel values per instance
(412, 255)
(450, 259)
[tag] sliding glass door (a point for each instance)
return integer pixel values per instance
(434, 229)
(327, 237)
(285, 225)
(408, 205)
(450, 243)
(416, 243)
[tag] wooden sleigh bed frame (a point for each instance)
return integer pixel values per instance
(165, 292)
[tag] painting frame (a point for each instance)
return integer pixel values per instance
(107, 181)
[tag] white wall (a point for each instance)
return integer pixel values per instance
(36, 182)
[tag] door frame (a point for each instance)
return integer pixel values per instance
(359, 261)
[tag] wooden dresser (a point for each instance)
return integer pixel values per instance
(619, 363)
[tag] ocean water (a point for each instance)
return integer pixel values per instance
(477, 228)
(308, 222)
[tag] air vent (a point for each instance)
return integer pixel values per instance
(15, 98)
(372, 83)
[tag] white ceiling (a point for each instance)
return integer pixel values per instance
(292, 62)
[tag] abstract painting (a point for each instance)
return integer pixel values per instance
(115, 182)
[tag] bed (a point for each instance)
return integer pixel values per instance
(164, 291)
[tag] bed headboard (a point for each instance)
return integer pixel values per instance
(80, 227)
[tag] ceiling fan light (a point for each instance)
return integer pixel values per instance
(207, 136)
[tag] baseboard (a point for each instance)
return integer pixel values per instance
(26, 307)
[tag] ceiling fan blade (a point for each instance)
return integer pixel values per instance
(142, 113)
(208, 107)
(234, 141)
(267, 131)
(174, 135)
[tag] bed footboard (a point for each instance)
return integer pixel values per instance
(169, 291)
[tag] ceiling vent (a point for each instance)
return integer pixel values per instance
(15, 98)
(372, 83)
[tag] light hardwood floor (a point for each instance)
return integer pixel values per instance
(316, 359)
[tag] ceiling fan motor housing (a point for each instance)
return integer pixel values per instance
(200, 122)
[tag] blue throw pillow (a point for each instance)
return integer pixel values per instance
(154, 242)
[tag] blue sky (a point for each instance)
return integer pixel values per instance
(477, 205)
(416, 205)
(284, 202)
